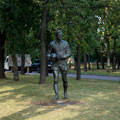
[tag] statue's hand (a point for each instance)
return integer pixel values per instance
(48, 56)
(53, 56)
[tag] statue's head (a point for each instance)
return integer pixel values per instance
(59, 35)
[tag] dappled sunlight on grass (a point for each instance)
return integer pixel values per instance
(94, 100)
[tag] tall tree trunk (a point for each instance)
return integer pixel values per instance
(97, 61)
(108, 54)
(43, 44)
(118, 64)
(23, 70)
(2, 51)
(85, 62)
(114, 57)
(22, 63)
(89, 66)
(15, 68)
(47, 67)
(78, 77)
(75, 65)
(102, 57)
(106, 37)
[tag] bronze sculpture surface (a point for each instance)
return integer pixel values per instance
(59, 52)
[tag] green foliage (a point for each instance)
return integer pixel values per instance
(90, 100)
(21, 19)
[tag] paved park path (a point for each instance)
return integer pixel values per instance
(99, 77)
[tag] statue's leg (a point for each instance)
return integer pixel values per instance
(56, 78)
(65, 82)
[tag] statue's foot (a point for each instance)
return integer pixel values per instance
(66, 97)
(56, 98)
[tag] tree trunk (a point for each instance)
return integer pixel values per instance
(46, 67)
(23, 63)
(2, 51)
(102, 57)
(43, 44)
(118, 64)
(89, 66)
(114, 57)
(78, 77)
(97, 61)
(106, 37)
(75, 65)
(108, 55)
(15, 68)
(85, 62)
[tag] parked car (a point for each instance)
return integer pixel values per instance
(36, 66)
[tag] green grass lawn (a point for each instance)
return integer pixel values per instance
(95, 100)
(98, 72)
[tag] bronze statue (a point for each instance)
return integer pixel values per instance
(59, 52)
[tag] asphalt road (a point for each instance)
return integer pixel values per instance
(99, 77)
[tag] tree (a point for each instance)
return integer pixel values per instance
(109, 31)
(17, 22)
(43, 43)
(2, 40)
(2, 51)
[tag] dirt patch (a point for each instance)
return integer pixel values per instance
(59, 102)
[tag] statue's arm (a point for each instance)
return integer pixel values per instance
(49, 51)
(51, 56)
(68, 52)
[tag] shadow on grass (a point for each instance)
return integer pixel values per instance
(27, 88)
(29, 113)
(24, 89)
(24, 92)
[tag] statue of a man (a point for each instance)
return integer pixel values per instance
(59, 52)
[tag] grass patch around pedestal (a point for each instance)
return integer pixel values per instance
(88, 99)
